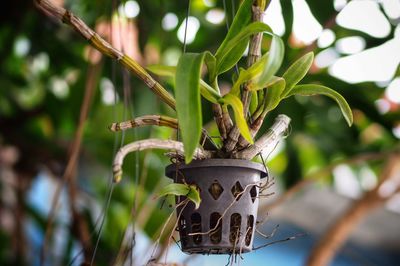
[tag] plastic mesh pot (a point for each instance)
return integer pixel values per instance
(225, 222)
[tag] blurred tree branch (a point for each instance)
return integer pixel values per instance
(338, 233)
(78, 222)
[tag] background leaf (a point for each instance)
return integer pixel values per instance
(314, 89)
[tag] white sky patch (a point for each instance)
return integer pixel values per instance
(192, 28)
(107, 91)
(364, 16)
(397, 32)
(22, 46)
(169, 21)
(339, 4)
(215, 16)
(346, 182)
(273, 17)
(377, 64)
(391, 8)
(396, 131)
(305, 27)
(350, 45)
(326, 57)
(326, 38)
(131, 9)
(392, 92)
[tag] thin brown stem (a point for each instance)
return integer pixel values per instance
(69, 173)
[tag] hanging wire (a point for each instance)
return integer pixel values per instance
(227, 23)
(117, 141)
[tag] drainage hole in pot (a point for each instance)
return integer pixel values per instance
(237, 190)
(234, 231)
(215, 190)
(249, 229)
(253, 193)
(215, 227)
(183, 231)
(196, 227)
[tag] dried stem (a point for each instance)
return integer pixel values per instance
(140, 145)
(268, 141)
(158, 120)
(146, 120)
(48, 8)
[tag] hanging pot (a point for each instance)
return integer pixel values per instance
(225, 221)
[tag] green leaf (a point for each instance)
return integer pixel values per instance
(274, 92)
(297, 71)
(161, 70)
(252, 72)
(274, 62)
(240, 21)
(211, 63)
(260, 73)
(188, 104)
(194, 195)
(237, 107)
(314, 89)
(206, 90)
(190, 191)
(228, 55)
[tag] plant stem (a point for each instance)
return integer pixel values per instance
(254, 54)
(67, 17)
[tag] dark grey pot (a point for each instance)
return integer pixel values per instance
(219, 180)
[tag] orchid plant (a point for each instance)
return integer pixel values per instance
(256, 90)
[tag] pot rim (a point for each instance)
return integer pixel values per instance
(218, 162)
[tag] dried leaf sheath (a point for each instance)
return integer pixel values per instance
(67, 17)
(152, 144)
(267, 142)
(146, 120)
(158, 120)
